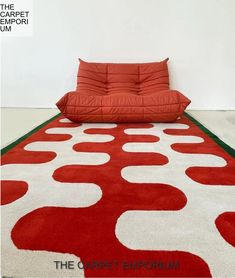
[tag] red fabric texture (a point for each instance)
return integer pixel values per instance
(225, 223)
(123, 93)
(12, 191)
(110, 78)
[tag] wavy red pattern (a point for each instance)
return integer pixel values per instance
(18, 155)
(12, 190)
(225, 223)
(90, 232)
(204, 175)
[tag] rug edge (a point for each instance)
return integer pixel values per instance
(25, 136)
(214, 137)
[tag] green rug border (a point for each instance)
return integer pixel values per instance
(215, 138)
(22, 138)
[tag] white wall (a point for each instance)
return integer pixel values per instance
(197, 35)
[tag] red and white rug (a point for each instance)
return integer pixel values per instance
(118, 200)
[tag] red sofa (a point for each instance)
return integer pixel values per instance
(109, 92)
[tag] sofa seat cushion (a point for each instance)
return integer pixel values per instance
(162, 106)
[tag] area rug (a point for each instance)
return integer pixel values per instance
(118, 200)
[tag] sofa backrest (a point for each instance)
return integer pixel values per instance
(110, 78)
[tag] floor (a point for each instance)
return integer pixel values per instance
(15, 122)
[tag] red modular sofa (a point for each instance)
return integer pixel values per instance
(109, 92)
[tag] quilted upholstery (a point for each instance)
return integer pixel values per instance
(103, 79)
(123, 93)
